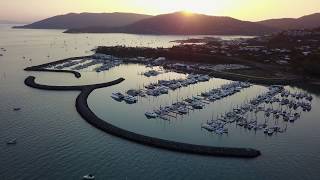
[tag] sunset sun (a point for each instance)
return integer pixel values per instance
(190, 7)
(187, 13)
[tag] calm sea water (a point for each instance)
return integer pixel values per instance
(54, 142)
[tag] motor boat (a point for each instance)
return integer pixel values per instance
(16, 109)
(89, 177)
(130, 99)
(163, 90)
(12, 141)
(117, 96)
(207, 127)
(270, 131)
(150, 115)
(182, 110)
(197, 105)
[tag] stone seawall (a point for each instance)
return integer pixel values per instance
(41, 68)
(84, 110)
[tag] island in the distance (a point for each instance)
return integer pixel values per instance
(181, 23)
(178, 23)
(82, 20)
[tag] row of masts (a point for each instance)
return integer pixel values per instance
(262, 103)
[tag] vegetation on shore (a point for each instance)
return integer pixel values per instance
(289, 53)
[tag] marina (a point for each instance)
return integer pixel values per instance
(74, 148)
(98, 61)
(163, 86)
(271, 106)
(197, 102)
(244, 115)
(84, 110)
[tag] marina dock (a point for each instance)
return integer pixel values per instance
(84, 110)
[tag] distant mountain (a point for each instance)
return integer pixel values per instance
(73, 20)
(180, 23)
(305, 22)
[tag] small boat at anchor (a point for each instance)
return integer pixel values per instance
(12, 142)
(89, 177)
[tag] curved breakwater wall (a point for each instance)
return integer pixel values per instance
(41, 68)
(84, 110)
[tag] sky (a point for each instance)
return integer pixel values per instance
(251, 10)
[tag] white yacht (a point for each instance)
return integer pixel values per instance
(270, 131)
(163, 89)
(207, 127)
(182, 110)
(12, 141)
(197, 105)
(89, 177)
(130, 99)
(117, 96)
(151, 115)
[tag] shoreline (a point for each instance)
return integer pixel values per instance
(216, 74)
(256, 79)
(86, 113)
(246, 78)
(263, 73)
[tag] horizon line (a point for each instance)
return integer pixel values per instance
(39, 19)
